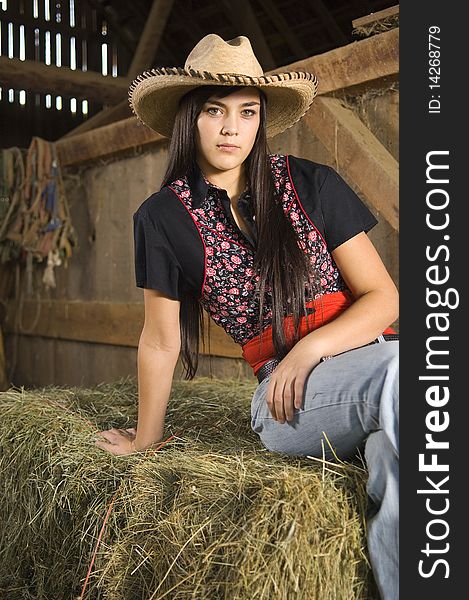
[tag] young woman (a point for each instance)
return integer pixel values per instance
(274, 248)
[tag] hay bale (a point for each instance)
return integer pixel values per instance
(245, 526)
(211, 515)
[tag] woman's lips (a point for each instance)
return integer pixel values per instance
(227, 148)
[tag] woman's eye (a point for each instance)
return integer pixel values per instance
(250, 111)
(213, 108)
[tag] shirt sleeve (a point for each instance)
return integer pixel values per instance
(156, 266)
(345, 215)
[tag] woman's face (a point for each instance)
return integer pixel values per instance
(226, 129)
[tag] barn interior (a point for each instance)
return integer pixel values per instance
(75, 165)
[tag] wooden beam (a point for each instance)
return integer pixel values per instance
(358, 154)
(243, 18)
(357, 64)
(114, 323)
(105, 141)
(377, 16)
(361, 63)
(37, 77)
(151, 37)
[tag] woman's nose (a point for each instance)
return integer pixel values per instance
(230, 126)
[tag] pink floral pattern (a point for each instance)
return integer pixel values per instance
(229, 294)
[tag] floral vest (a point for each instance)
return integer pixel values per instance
(229, 293)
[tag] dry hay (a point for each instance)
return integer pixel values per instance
(212, 515)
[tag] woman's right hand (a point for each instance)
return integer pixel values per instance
(119, 442)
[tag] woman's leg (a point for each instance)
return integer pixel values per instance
(353, 398)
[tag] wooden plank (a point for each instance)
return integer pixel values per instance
(377, 16)
(358, 154)
(52, 26)
(143, 59)
(125, 34)
(110, 139)
(114, 323)
(361, 63)
(4, 383)
(38, 77)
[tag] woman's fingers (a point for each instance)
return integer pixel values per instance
(115, 441)
(279, 401)
(285, 394)
(275, 399)
(106, 446)
(299, 389)
(288, 399)
(110, 435)
(270, 397)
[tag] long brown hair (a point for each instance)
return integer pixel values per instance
(283, 267)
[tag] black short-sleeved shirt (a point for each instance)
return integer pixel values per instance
(169, 252)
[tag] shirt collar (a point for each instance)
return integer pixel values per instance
(200, 185)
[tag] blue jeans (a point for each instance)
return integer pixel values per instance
(353, 398)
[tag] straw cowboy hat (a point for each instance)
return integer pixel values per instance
(154, 95)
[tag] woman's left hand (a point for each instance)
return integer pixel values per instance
(117, 441)
(286, 384)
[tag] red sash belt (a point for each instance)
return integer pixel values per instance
(329, 306)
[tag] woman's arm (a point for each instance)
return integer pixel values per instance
(376, 303)
(376, 306)
(158, 352)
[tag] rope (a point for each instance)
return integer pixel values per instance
(35, 223)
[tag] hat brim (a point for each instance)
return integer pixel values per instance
(154, 96)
